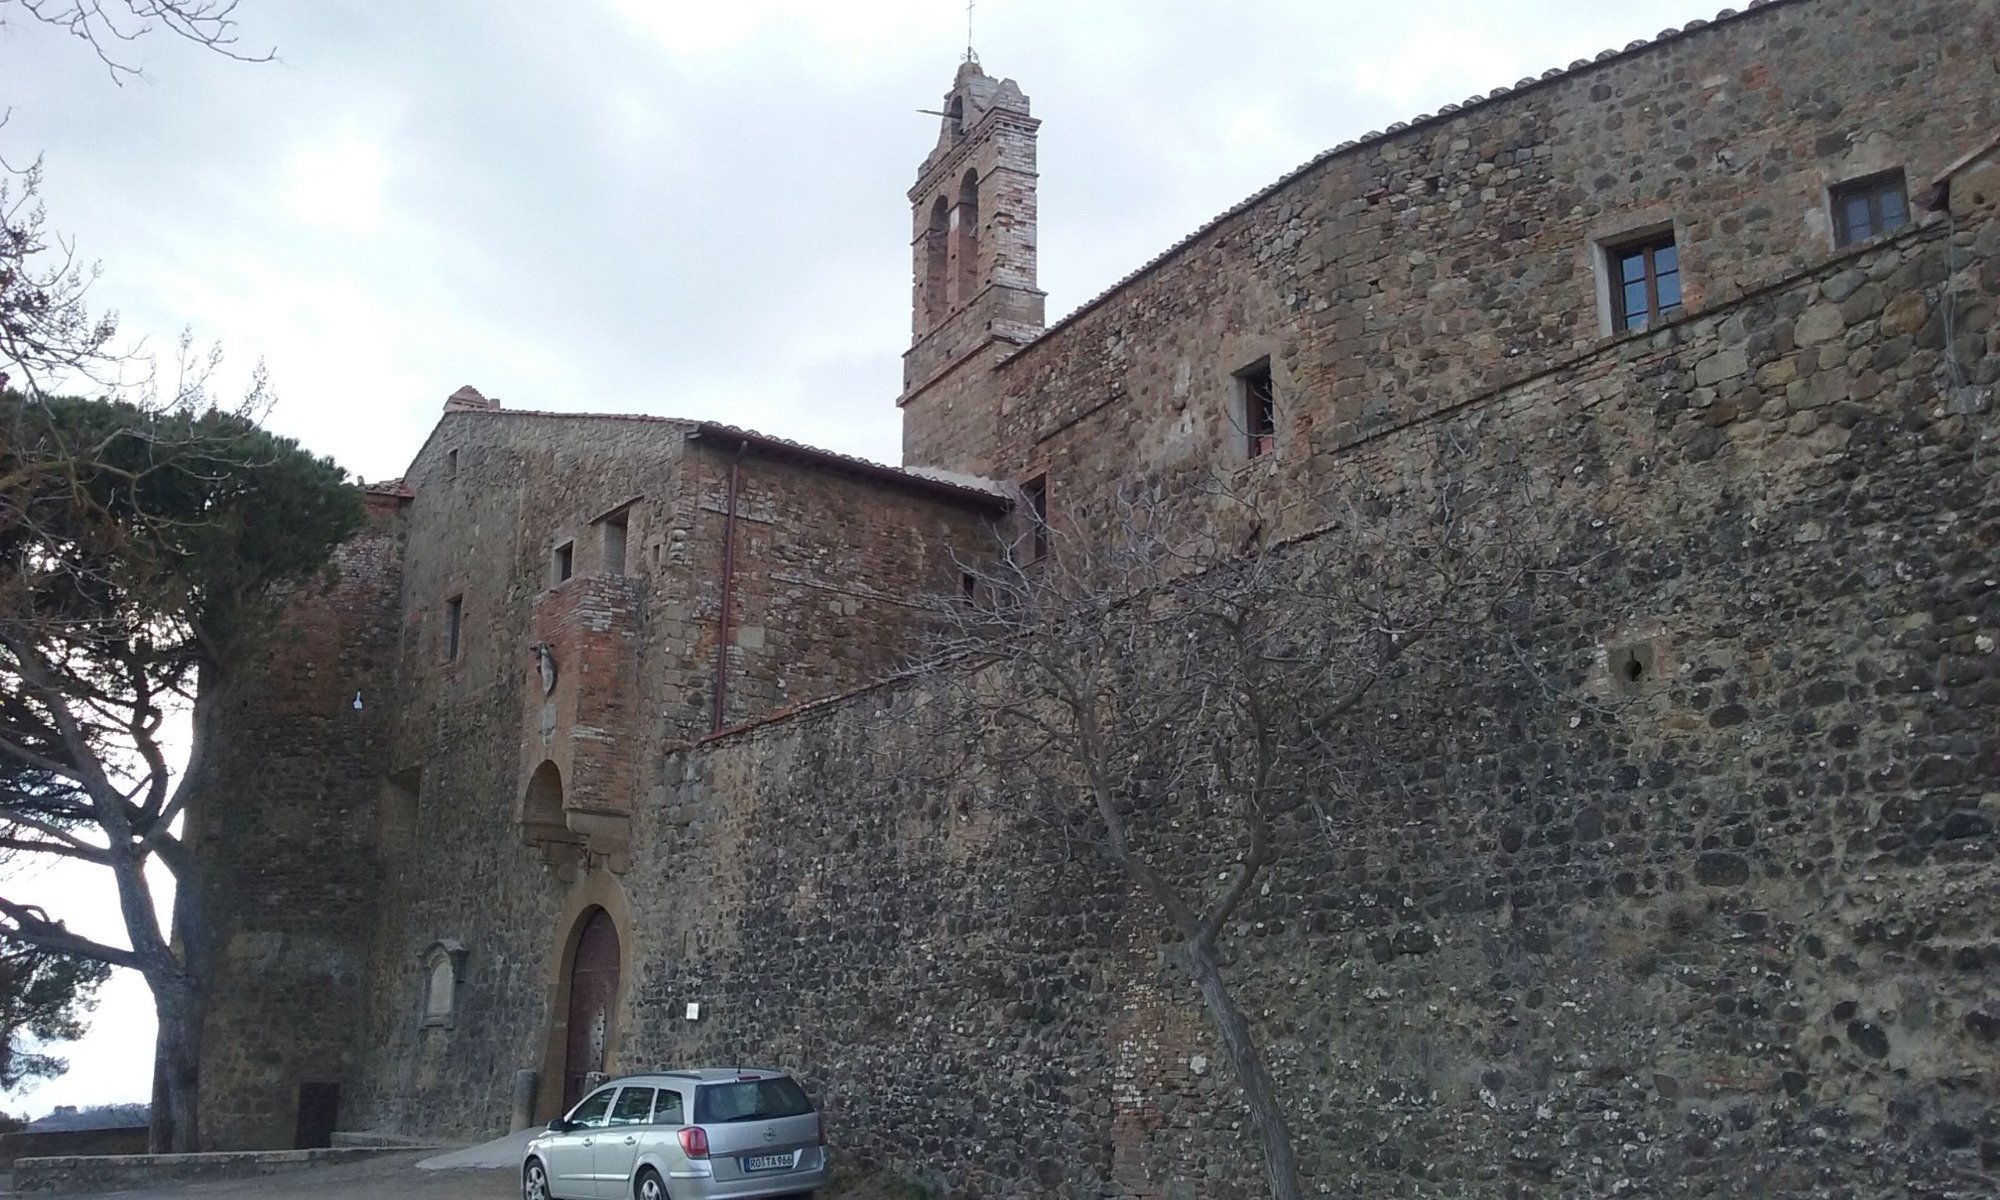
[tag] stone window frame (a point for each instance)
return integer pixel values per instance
(1871, 187)
(1607, 239)
(450, 954)
(454, 626)
(562, 562)
(1647, 252)
(1034, 532)
(611, 531)
(1254, 417)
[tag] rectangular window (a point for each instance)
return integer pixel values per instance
(667, 1108)
(1865, 207)
(565, 563)
(454, 618)
(1645, 281)
(1035, 494)
(1256, 408)
(611, 539)
(451, 464)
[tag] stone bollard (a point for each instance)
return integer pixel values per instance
(524, 1100)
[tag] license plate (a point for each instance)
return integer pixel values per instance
(767, 1162)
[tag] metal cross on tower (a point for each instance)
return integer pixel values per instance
(970, 56)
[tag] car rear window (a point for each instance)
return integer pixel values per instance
(750, 1100)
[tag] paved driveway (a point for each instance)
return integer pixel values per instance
(390, 1178)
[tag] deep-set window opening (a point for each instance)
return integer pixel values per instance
(1035, 493)
(1645, 281)
(1865, 207)
(612, 530)
(1258, 406)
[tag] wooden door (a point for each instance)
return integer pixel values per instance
(593, 993)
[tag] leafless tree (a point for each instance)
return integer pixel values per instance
(46, 328)
(110, 27)
(49, 337)
(1176, 682)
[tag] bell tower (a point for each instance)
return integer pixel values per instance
(973, 243)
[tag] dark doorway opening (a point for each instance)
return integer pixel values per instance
(319, 1108)
(593, 992)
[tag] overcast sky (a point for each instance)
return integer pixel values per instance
(661, 206)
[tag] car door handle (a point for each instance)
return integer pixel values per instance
(590, 1141)
(631, 1141)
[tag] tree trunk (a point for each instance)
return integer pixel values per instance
(1248, 1062)
(173, 1127)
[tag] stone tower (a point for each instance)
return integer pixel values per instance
(972, 252)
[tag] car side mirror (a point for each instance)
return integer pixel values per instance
(560, 1126)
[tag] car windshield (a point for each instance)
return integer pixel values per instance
(750, 1100)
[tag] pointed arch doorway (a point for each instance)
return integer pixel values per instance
(593, 999)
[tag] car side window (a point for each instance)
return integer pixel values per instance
(667, 1108)
(633, 1105)
(590, 1113)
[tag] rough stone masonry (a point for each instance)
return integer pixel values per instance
(1724, 925)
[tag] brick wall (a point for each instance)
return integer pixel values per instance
(286, 830)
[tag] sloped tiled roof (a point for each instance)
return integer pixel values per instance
(975, 492)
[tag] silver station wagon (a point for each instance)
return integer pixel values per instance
(734, 1133)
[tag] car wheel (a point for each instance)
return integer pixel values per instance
(535, 1181)
(649, 1185)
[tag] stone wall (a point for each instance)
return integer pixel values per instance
(1724, 930)
(285, 830)
(65, 1142)
(1731, 934)
(830, 564)
(1423, 268)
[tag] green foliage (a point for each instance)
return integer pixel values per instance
(160, 526)
(44, 995)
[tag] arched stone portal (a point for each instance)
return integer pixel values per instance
(593, 1002)
(597, 899)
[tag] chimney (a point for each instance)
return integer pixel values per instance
(468, 399)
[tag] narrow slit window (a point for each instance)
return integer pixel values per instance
(1863, 208)
(565, 564)
(451, 464)
(1036, 494)
(1645, 282)
(1257, 405)
(454, 621)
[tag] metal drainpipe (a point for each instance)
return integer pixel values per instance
(728, 593)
